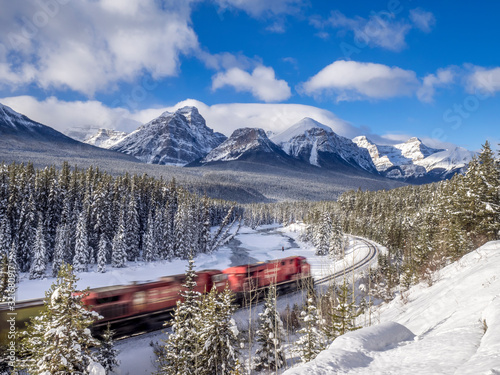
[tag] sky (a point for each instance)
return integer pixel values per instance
(387, 69)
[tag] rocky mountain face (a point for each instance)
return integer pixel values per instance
(317, 144)
(105, 138)
(413, 161)
(172, 138)
(247, 144)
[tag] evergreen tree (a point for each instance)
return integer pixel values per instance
(106, 353)
(180, 354)
(102, 253)
(322, 235)
(81, 258)
(150, 240)
(59, 339)
(61, 248)
(39, 264)
(4, 277)
(119, 254)
(270, 354)
(218, 335)
(132, 229)
(311, 341)
(344, 313)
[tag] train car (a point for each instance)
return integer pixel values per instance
(145, 306)
(287, 274)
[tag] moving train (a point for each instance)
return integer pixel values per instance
(140, 307)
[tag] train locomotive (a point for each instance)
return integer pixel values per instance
(138, 307)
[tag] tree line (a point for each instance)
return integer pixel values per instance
(86, 217)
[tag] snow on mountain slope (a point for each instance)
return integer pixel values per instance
(456, 323)
(241, 143)
(105, 138)
(413, 159)
(172, 138)
(313, 142)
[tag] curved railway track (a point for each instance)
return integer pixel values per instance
(372, 254)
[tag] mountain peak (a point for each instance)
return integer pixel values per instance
(175, 138)
(414, 140)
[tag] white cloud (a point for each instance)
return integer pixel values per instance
(89, 46)
(442, 78)
(262, 83)
(261, 8)
(351, 80)
(483, 80)
(379, 30)
(78, 116)
(422, 19)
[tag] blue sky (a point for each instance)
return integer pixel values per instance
(389, 69)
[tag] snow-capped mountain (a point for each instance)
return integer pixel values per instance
(22, 137)
(413, 160)
(317, 144)
(105, 138)
(172, 138)
(249, 144)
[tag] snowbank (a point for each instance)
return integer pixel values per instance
(353, 350)
(449, 319)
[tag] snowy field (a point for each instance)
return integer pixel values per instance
(451, 327)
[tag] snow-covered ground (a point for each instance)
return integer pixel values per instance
(451, 327)
(264, 243)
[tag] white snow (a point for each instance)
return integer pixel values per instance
(448, 320)
(105, 138)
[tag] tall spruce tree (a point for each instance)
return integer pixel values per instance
(107, 353)
(59, 339)
(218, 335)
(312, 340)
(182, 347)
(82, 253)
(270, 355)
(39, 263)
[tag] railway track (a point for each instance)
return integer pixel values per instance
(372, 254)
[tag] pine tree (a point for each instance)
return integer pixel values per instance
(180, 354)
(344, 313)
(59, 339)
(150, 240)
(132, 229)
(106, 353)
(218, 335)
(270, 354)
(39, 263)
(119, 253)
(4, 277)
(81, 258)
(311, 341)
(61, 248)
(322, 235)
(102, 253)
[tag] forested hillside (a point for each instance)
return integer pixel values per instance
(86, 217)
(424, 227)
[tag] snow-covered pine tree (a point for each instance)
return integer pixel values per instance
(81, 257)
(107, 353)
(270, 355)
(119, 253)
(311, 341)
(26, 232)
(102, 253)
(344, 313)
(218, 335)
(59, 339)
(322, 234)
(336, 241)
(5, 233)
(180, 354)
(132, 229)
(39, 262)
(4, 276)
(150, 242)
(61, 248)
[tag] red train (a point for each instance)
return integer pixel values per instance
(138, 307)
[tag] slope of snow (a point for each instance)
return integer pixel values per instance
(105, 138)
(448, 320)
(172, 138)
(448, 159)
(308, 137)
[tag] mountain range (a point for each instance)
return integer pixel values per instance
(182, 138)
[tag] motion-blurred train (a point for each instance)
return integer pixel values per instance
(141, 307)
